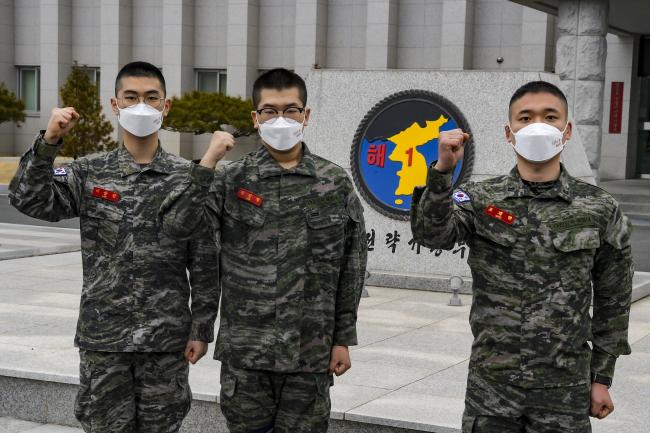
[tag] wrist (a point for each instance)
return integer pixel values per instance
(599, 379)
(51, 139)
(440, 168)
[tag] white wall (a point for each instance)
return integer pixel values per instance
(497, 32)
(7, 70)
(85, 35)
(418, 34)
(615, 157)
(147, 31)
(346, 34)
(276, 33)
(210, 33)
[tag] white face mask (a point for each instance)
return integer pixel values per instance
(280, 133)
(140, 120)
(538, 142)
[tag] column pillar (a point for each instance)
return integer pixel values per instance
(115, 51)
(456, 40)
(243, 18)
(311, 35)
(381, 34)
(536, 30)
(56, 51)
(580, 62)
(7, 69)
(178, 65)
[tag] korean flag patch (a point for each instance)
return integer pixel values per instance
(60, 171)
(461, 196)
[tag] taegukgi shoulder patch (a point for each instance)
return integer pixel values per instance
(460, 196)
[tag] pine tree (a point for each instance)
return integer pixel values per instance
(204, 112)
(92, 132)
(12, 109)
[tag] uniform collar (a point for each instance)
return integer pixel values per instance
(160, 162)
(268, 166)
(517, 188)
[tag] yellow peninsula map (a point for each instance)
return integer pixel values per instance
(414, 166)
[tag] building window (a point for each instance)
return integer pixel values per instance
(211, 80)
(93, 74)
(29, 87)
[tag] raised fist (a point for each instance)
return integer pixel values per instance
(61, 122)
(451, 148)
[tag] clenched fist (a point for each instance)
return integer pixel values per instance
(601, 401)
(220, 143)
(61, 122)
(451, 148)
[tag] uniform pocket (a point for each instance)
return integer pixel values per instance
(469, 422)
(576, 240)
(577, 251)
(101, 223)
(228, 386)
(494, 231)
(326, 234)
(83, 400)
(242, 224)
(184, 394)
(322, 400)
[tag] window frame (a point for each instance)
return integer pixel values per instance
(19, 73)
(219, 72)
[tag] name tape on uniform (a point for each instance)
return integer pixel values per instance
(246, 195)
(500, 214)
(105, 194)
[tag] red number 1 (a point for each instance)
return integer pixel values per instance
(410, 154)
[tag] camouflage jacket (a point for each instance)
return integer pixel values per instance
(534, 259)
(136, 293)
(293, 257)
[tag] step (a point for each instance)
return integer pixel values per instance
(638, 208)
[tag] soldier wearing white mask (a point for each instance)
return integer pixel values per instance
(541, 242)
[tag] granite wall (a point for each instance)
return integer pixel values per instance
(340, 99)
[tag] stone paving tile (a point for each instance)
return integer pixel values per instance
(13, 425)
(410, 365)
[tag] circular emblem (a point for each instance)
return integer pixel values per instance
(395, 144)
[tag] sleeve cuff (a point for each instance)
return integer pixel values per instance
(346, 338)
(438, 183)
(602, 363)
(45, 150)
(202, 175)
(202, 332)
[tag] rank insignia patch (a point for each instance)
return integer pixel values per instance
(460, 196)
(60, 171)
(245, 195)
(500, 214)
(105, 194)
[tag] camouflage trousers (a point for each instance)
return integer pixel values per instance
(132, 392)
(492, 407)
(255, 400)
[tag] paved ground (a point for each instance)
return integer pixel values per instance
(409, 369)
(8, 214)
(25, 241)
(12, 425)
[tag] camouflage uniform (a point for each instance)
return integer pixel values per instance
(134, 313)
(293, 258)
(534, 255)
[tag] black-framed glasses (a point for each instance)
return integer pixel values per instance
(269, 113)
(152, 100)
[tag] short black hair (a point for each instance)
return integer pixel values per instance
(539, 87)
(279, 79)
(140, 69)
